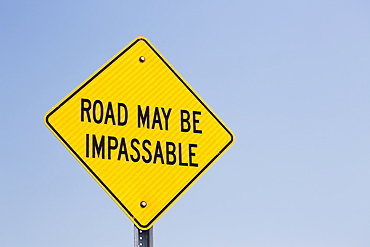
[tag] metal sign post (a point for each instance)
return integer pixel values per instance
(143, 238)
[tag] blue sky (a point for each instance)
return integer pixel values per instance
(291, 79)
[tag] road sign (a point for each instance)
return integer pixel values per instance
(140, 131)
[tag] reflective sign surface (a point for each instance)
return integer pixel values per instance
(140, 131)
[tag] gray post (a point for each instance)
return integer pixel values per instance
(143, 238)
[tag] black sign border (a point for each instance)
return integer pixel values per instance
(93, 173)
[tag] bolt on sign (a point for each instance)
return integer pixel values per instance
(140, 131)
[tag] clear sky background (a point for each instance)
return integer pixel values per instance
(291, 79)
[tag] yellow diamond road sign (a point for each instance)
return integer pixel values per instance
(140, 131)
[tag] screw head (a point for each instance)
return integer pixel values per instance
(143, 204)
(142, 59)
